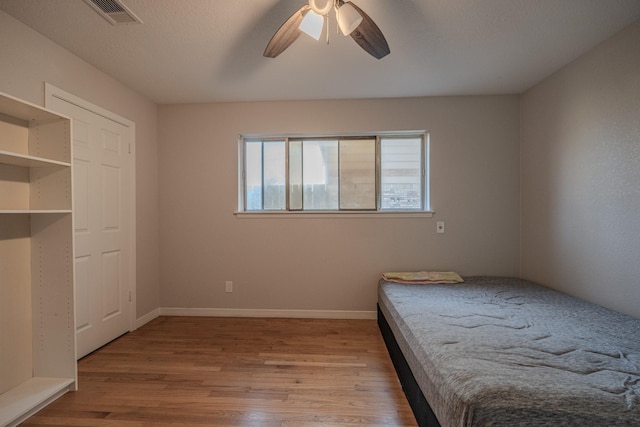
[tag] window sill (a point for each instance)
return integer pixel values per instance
(333, 214)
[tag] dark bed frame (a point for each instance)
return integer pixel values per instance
(421, 409)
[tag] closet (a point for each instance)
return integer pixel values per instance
(37, 322)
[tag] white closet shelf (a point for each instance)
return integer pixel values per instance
(35, 211)
(23, 160)
(30, 396)
(36, 240)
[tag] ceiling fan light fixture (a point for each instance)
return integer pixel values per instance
(348, 18)
(353, 22)
(321, 10)
(312, 24)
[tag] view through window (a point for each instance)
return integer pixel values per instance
(350, 173)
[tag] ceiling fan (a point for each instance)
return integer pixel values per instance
(310, 19)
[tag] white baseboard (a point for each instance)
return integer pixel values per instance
(239, 312)
(141, 321)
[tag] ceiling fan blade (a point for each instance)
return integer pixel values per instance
(369, 36)
(286, 34)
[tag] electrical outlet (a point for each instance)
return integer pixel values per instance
(440, 227)
(228, 286)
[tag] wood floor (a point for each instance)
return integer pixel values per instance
(237, 372)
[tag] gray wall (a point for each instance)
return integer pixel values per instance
(27, 60)
(580, 175)
(332, 263)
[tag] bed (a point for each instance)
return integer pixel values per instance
(508, 352)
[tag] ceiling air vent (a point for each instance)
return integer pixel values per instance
(114, 11)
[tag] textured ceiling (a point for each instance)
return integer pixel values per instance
(211, 50)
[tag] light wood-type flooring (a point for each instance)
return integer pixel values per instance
(206, 371)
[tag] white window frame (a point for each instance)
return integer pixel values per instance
(425, 211)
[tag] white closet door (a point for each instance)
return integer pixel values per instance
(102, 222)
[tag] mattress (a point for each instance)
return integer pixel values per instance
(508, 352)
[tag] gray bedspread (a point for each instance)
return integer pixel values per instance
(507, 352)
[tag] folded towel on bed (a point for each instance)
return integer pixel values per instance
(422, 277)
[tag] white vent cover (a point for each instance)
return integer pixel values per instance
(114, 12)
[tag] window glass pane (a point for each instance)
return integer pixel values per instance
(358, 174)
(295, 175)
(253, 175)
(274, 192)
(320, 175)
(401, 173)
(353, 172)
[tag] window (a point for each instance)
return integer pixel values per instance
(387, 172)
